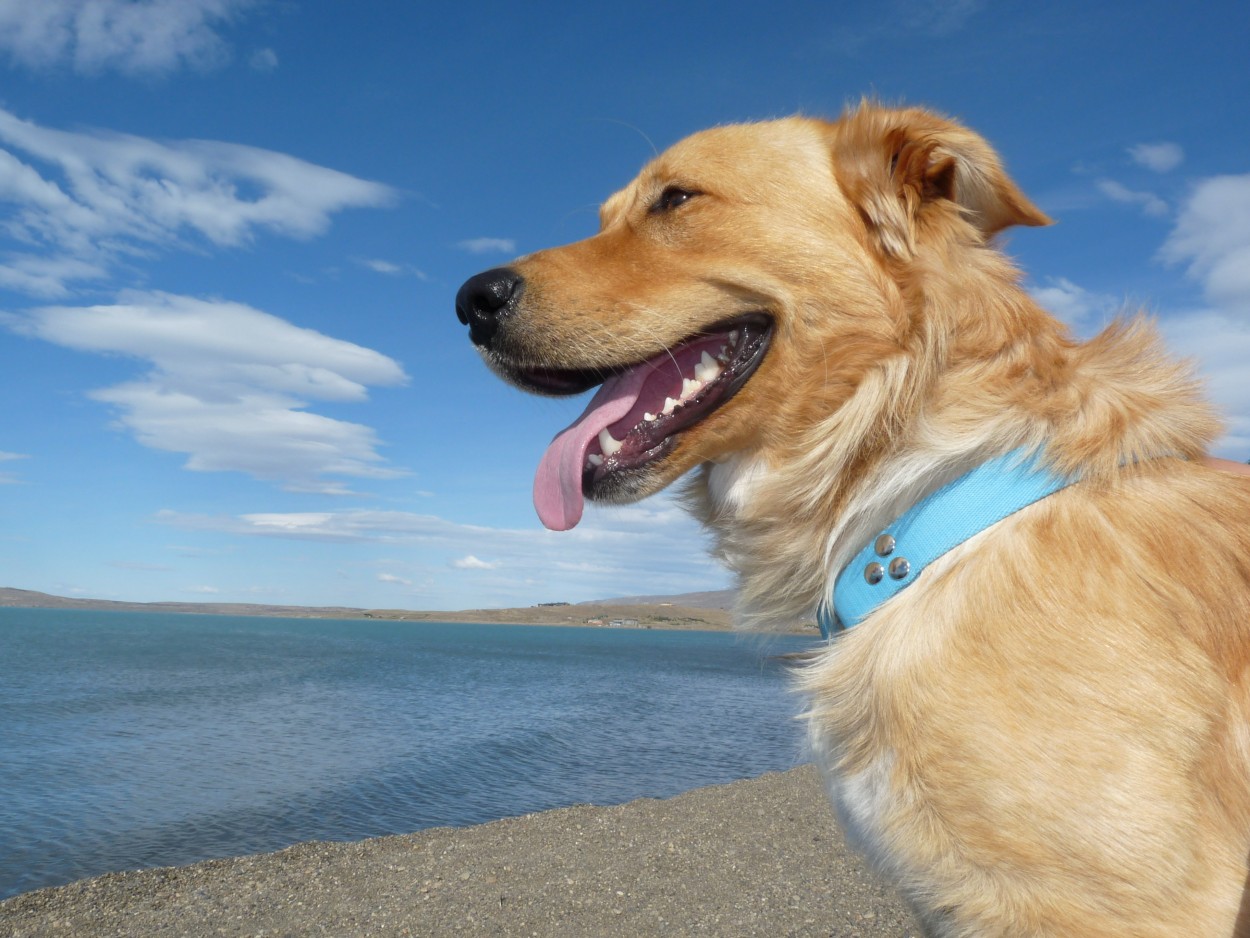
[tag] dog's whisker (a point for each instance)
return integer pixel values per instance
(626, 124)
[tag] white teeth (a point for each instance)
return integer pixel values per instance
(707, 370)
(609, 444)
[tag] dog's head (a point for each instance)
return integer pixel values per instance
(749, 276)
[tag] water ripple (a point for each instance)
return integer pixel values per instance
(130, 741)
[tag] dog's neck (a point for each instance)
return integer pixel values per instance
(900, 552)
(788, 518)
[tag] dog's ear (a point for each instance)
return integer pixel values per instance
(907, 170)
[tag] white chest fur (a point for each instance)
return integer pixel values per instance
(733, 483)
(862, 799)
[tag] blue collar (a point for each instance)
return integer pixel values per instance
(936, 524)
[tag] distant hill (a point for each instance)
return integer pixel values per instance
(10, 596)
(708, 610)
(35, 600)
(715, 599)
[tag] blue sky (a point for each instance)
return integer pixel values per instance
(233, 231)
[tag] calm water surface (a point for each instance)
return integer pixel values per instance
(134, 740)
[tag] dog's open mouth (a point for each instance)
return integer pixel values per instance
(637, 415)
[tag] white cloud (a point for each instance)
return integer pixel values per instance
(82, 200)
(7, 478)
(228, 385)
(1220, 342)
(46, 277)
(382, 267)
(392, 578)
(1157, 157)
(650, 549)
(202, 590)
(488, 246)
(390, 268)
(1074, 304)
(1150, 203)
(139, 566)
(132, 36)
(1212, 237)
(470, 562)
(264, 60)
(941, 18)
(925, 18)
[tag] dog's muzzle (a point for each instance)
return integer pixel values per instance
(486, 299)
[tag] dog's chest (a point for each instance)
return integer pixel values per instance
(856, 735)
(862, 800)
(732, 484)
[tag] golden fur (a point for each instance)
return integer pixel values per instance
(1049, 732)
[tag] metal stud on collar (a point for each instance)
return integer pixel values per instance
(939, 522)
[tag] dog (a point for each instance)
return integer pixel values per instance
(1045, 731)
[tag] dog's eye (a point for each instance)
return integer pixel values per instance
(670, 198)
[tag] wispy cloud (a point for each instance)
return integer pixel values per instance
(1212, 238)
(228, 385)
(1149, 203)
(488, 246)
(1074, 304)
(80, 201)
(1220, 342)
(470, 562)
(392, 578)
(7, 478)
(924, 18)
(153, 36)
(263, 60)
(940, 17)
(139, 566)
(390, 268)
(381, 267)
(1157, 157)
(651, 548)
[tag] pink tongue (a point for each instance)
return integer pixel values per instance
(558, 482)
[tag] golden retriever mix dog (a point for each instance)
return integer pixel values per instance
(1042, 725)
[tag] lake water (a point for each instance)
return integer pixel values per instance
(131, 741)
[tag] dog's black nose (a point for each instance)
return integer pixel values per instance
(486, 298)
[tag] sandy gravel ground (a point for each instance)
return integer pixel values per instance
(757, 857)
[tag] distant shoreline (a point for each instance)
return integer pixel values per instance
(713, 614)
